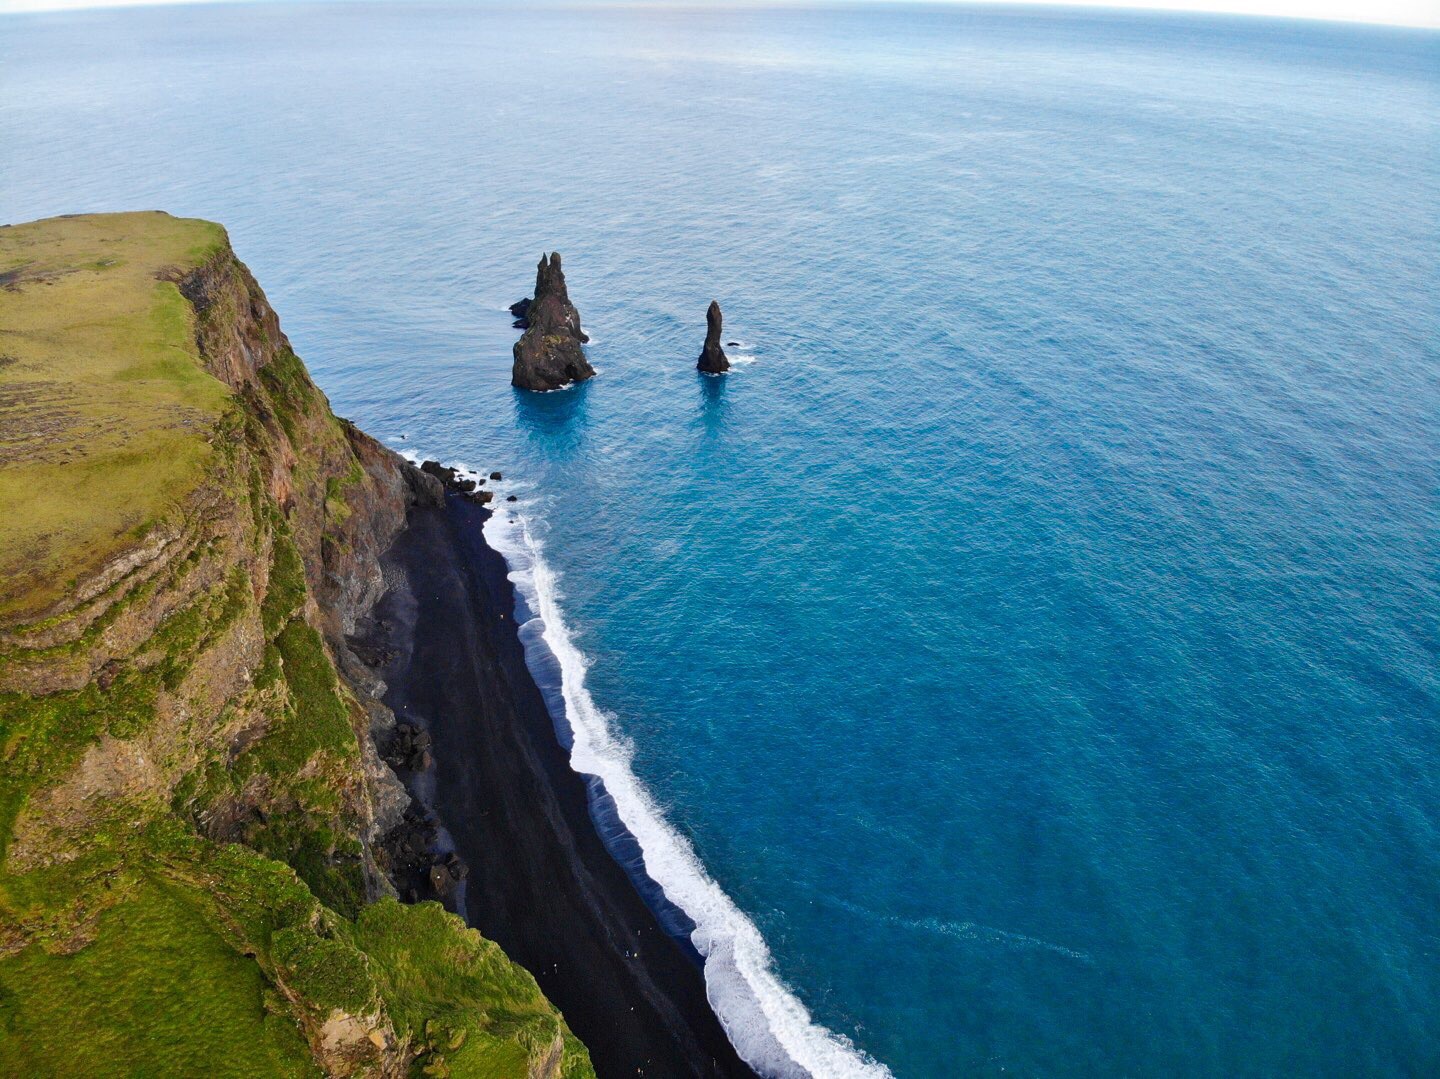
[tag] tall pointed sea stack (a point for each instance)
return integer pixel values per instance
(713, 360)
(549, 355)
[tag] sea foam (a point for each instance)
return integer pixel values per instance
(768, 1025)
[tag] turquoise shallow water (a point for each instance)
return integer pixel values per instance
(1037, 640)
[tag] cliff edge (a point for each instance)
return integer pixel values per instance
(194, 877)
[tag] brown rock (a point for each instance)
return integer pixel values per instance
(549, 355)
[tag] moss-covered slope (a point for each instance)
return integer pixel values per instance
(191, 803)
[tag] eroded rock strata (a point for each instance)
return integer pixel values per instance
(548, 354)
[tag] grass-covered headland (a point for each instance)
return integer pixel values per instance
(192, 878)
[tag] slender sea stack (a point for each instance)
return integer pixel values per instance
(713, 360)
(549, 355)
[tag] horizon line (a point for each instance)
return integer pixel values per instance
(1425, 16)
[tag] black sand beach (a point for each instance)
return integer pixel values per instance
(541, 882)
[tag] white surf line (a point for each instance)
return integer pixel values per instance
(768, 1025)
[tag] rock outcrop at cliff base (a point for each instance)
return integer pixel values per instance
(549, 355)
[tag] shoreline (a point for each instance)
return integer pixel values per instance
(541, 881)
(767, 1023)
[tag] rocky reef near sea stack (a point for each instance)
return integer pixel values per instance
(549, 355)
(713, 360)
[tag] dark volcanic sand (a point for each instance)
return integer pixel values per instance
(541, 882)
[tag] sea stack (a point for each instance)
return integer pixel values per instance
(713, 360)
(548, 355)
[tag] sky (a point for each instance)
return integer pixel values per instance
(1392, 12)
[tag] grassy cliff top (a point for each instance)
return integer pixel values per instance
(191, 796)
(105, 412)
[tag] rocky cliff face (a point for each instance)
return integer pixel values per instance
(548, 355)
(188, 746)
(713, 360)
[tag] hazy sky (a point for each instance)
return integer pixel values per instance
(1397, 12)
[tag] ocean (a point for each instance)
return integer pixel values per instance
(1025, 660)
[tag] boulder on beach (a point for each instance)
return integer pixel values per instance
(409, 748)
(447, 871)
(713, 360)
(452, 480)
(450, 477)
(548, 355)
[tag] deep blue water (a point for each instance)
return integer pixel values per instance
(1038, 639)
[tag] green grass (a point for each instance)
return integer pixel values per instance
(160, 992)
(292, 394)
(101, 393)
(336, 508)
(286, 591)
(184, 977)
(327, 972)
(316, 719)
(306, 832)
(41, 738)
(458, 996)
(328, 863)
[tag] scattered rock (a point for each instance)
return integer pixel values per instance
(446, 475)
(549, 355)
(409, 748)
(107, 674)
(373, 655)
(732, 344)
(447, 871)
(439, 879)
(496, 476)
(713, 360)
(456, 483)
(407, 848)
(511, 498)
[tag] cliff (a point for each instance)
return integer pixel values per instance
(194, 877)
